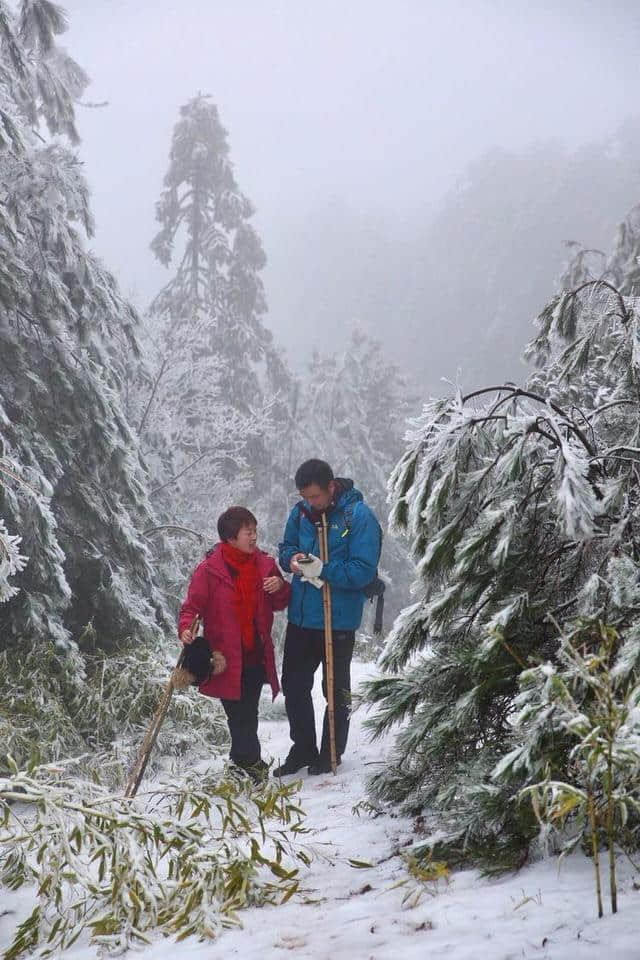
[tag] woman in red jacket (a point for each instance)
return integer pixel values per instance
(236, 590)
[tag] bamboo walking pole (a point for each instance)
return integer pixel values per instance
(137, 773)
(328, 644)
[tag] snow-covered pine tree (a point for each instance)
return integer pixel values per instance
(71, 481)
(220, 383)
(518, 502)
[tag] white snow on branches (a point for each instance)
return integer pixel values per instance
(11, 562)
(577, 504)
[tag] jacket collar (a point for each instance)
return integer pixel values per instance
(345, 492)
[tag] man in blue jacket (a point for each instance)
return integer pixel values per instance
(354, 541)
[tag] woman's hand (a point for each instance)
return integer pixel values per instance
(273, 584)
(188, 636)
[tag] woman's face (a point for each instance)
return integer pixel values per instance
(246, 540)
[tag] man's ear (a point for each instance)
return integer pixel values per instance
(332, 488)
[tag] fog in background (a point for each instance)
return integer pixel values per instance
(360, 132)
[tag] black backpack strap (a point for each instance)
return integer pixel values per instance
(348, 517)
(377, 623)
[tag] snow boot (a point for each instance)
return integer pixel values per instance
(321, 764)
(296, 760)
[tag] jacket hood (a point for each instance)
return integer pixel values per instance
(349, 493)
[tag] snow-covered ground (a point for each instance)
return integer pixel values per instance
(346, 913)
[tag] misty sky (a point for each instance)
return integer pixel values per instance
(359, 111)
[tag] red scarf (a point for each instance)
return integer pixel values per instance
(246, 583)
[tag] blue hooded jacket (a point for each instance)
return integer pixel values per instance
(353, 558)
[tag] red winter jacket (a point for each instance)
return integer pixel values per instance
(211, 594)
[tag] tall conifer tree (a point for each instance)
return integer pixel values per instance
(71, 481)
(215, 400)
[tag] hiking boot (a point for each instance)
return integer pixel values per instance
(321, 764)
(296, 760)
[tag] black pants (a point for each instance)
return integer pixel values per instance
(303, 653)
(242, 718)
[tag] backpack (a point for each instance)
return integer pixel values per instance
(376, 588)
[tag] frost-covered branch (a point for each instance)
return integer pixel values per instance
(181, 860)
(11, 562)
(521, 503)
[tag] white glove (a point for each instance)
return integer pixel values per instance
(312, 569)
(309, 571)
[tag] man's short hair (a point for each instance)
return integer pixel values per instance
(313, 471)
(231, 522)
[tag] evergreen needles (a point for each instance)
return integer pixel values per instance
(522, 507)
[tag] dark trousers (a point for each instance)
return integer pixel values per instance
(242, 718)
(303, 654)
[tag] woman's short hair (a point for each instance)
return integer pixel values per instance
(231, 522)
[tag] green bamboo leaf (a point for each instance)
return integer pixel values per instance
(290, 892)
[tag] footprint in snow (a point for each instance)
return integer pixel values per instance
(291, 940)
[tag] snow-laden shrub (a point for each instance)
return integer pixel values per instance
(585, 709)
(181, 859)
(522, 504)
(59, 704)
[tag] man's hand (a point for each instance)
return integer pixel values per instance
(293, 563)
(272, 584)
(186, 637)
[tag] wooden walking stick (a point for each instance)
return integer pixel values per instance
(137, 773)
(323, 540)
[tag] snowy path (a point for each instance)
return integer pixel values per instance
(357, 914)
